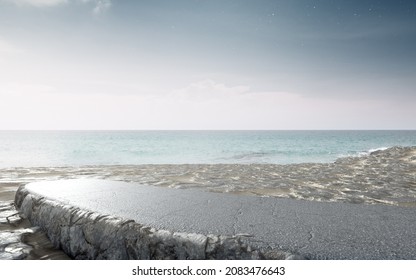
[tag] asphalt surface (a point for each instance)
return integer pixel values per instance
(316, 230)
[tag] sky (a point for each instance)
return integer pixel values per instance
(217, 64)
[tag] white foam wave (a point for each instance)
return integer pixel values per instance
(362, 154)
(369, 152)
(377, 149)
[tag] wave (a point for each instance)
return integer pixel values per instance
(361, 153)
(378, 149)
(370, 151)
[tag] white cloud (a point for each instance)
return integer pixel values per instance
(38, 3)
(208, 90)
(100, 6)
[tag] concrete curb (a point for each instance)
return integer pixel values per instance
(84, 234)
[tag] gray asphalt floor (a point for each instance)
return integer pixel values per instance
(315, 230)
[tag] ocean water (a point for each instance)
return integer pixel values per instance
(80, 148)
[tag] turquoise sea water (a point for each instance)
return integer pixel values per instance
(77, 148)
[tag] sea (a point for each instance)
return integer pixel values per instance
(84, 148)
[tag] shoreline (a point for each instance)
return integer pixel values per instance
(383, 177)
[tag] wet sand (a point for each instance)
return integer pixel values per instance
(383, 177)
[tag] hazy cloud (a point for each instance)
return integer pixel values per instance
(7, 47)
(100, 6)
(37, 3)
(208, 89)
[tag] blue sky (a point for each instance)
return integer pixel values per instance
(108, 64)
